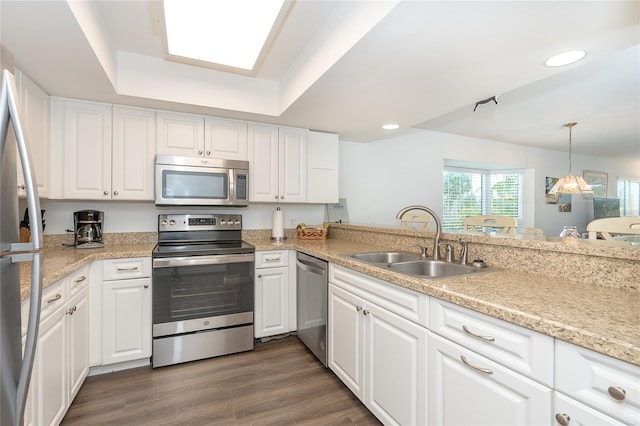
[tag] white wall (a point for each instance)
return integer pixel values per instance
(143, 216)
(381, 177)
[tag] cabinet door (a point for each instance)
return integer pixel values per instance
(34, 105)
(346, 328)
(50, 372)
(272, 301)
(225, 139)
(468, 389)
(263, 158)
(87, 150)
(180, 134)
(292, 159)
(133, 150)
(78, 332)
(126, 320)
(568, 411)
(396, 367)
(322, 168)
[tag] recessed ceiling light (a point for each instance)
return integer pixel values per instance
(390, 126)
(221, 31)
(565, 58)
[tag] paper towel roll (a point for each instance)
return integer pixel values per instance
(278, 224)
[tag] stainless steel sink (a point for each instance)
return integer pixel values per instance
(386, 257)
(433, 268)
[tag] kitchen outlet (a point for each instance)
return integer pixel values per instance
(293, 222)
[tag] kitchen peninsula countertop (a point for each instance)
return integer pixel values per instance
(603, 319)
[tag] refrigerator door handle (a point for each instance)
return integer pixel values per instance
(9, 98)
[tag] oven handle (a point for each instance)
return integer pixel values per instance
(173, 262)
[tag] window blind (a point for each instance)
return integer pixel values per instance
(629, 195)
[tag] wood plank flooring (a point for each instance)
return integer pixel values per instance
(279, 383)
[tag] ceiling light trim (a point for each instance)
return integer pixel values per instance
(566, 58)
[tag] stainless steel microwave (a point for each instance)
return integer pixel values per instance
(193, 181)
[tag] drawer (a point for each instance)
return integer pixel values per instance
(53, 297)
(408, 304)
(569, 411)
(78, 280)
(272, 259)
(523, 350)
(603, 382)
(121, 269)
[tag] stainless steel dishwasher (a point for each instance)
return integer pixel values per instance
(312, 287)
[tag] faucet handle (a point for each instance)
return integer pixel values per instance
(463, 252)
(423, 251)
(448, 252)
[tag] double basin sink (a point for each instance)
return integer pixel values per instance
(413, 264)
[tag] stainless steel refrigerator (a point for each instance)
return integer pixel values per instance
(15, 364)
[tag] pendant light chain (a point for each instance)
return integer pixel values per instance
(570, 126)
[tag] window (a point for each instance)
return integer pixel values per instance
(629, 195)
(472, 192)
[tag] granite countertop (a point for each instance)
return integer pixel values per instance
(603, 319)
(606, 320)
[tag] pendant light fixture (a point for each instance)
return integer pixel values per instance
(571, 184)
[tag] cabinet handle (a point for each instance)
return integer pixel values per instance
(477, 336)
(72, 310)
(272, 259)
(58, 296)
(82, 278)
(276, 197)
(358, 308)
(617, 392)
(365, 312)
(199, 152)
(105, 192)
(260, 276)
(282, 197)
(563, 419)
(115, 192)
(480, 369)
(21, 187)
(132, 268)
(208, 152)
(146, 286)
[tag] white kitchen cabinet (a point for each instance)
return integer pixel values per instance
(133, 152)
(35, 115)
(125, 325)
(180, 134)
(62, 353)
(522, 350)
(86, 164)
(569, 412)
(322, 168)
(609, 385)
(380, 355)
(226, 139)
(271, 310)
(278, 164)
(468, 389)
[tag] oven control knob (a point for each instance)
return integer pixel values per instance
(164, 222)
(237, 222)
(224, 222)
(172, 222)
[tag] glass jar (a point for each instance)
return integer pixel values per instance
(570, 232)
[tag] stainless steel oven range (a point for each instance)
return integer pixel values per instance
(203, 286)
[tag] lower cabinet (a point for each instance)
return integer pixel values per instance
(126, 312)
(62, 354)
(379, 355)
(469, 389)
(274, 308)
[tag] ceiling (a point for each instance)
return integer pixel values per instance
(350, 66)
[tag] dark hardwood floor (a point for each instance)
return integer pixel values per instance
(279, 383)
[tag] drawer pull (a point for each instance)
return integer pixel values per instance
(358, 308)
(72, 310)
(365, 312)
(146, 286)
(477, 336)
(563, 419)
(82, 278)
(132, 268)
(272, 259)
(480, 369)
(58, 296)
(617, 392)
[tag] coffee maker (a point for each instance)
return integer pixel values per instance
(87, 225)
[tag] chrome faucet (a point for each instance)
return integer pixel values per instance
(463, 252)
(436, 219)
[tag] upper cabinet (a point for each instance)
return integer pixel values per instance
(98, 164)
(278, 164)
(35, 116)
(196, 136)
(322, 168)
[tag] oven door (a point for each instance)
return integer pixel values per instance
(198, 293)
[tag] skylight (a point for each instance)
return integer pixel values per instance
(226, 32)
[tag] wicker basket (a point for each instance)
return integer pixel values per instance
(312, 233)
